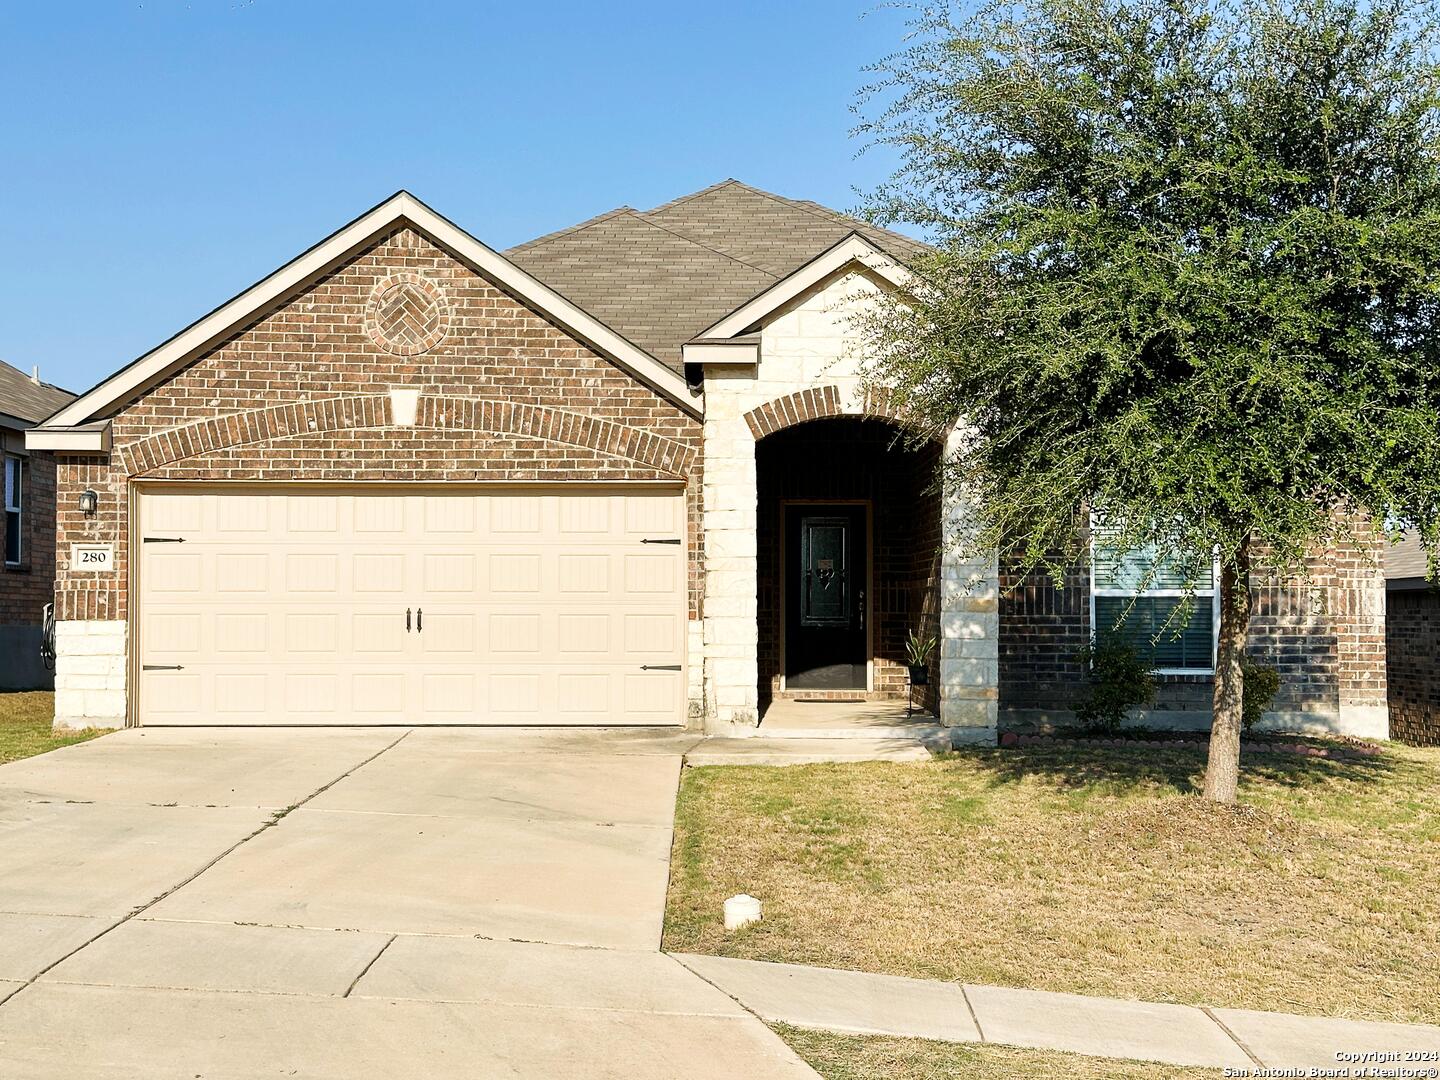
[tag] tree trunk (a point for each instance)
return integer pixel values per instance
(1222, 774)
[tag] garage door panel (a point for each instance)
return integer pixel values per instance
(241, 572)
(377, 572)
(449, 694)
(513, 573)
(291, 608)
(174, 693)
(242, 692)
(376, 634)
(652, 694)
(238, 634)
(654, 518)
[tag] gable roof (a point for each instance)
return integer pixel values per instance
(26, 400)
(635, 286)
(334, 250)
(663, 276)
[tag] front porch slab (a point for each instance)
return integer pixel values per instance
(791, 719)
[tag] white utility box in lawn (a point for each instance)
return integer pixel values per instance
(741, 911)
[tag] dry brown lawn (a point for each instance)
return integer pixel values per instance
(1095, 871)
(864, 1057)
(25, 719)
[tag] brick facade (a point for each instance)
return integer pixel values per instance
(303, 394)
(306, 392)
(1412, 650)
(1324, 633)
(27, 588)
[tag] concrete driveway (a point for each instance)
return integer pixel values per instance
(352, 904)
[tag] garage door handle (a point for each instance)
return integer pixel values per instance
(407, 620)
(659, 667)
(162, 667)
(419, 620)
(675, 540)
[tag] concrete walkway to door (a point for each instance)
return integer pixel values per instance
(352, 904)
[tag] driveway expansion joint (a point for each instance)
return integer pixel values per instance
(134, 913)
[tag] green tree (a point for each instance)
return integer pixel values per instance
(1187, 276)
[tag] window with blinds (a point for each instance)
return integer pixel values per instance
(14, 476)
(1135, 595)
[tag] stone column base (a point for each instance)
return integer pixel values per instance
(90, 674)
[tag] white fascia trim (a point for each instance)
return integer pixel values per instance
(332, 252)
(89, 439)
(721, 352)
(853, 249)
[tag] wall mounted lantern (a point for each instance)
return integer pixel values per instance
(89, 501)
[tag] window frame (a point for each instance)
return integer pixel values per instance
(1198, 594)
(18, 509)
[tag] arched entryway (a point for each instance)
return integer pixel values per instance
(848, 545)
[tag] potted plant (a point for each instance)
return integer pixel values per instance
(917, 657)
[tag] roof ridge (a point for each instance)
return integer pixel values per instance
(641, 216)
(577, 227)
(645, 217)
(820, 210)
(809, 206)
(694, 195)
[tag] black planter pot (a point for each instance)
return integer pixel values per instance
(919, 674)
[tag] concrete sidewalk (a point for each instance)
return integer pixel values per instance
(857, 1002)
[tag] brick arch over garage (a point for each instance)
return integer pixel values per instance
(814, 403)
(434, 412)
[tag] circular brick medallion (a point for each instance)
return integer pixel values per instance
(407, 314)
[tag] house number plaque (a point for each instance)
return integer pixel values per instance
(92, 558)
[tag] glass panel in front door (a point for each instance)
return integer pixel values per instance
(824, 564)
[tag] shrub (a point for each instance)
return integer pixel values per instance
(1119, 679)
(1262, 683)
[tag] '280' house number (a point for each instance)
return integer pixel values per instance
(92, 558)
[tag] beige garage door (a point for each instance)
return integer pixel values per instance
(395, 607)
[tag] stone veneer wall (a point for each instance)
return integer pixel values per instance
(807, 370)
(302, 394)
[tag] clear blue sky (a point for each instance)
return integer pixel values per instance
(158, 157)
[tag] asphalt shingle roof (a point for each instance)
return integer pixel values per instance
(23, 398)
(661, 276)
(1405, 559)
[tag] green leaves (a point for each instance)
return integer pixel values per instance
(1186, 268)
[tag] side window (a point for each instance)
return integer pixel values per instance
(14, 478)
(1137, 597)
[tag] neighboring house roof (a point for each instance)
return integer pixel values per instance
(662, 276)
(25, 401)
(1406, 565)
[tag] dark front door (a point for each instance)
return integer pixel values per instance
(825, 576)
